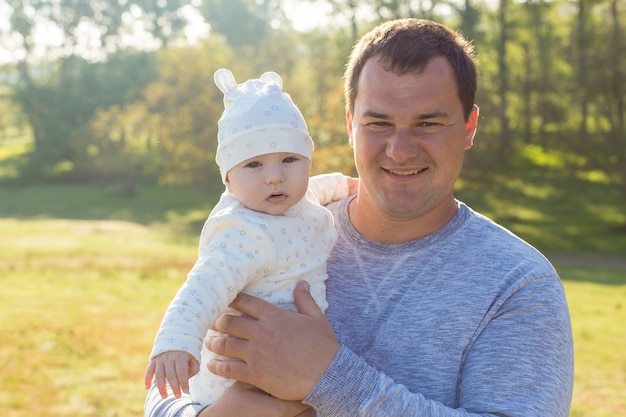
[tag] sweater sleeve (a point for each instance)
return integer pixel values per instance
(231, 253)
(520, 363)
(329, 187)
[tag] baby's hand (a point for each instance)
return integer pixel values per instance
(353, 185)
(175, 367)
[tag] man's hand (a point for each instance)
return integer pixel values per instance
(245, 400)
(175, 368)
(282, 353)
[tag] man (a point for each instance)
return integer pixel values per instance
(434, 310)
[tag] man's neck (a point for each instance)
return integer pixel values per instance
(375, 226)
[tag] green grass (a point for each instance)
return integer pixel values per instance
(552, 210)
(150, 205)
(597, 299)
(81, 302)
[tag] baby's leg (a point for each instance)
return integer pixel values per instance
(205, 387)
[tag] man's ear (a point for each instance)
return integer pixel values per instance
(470, 127)
(349, 127)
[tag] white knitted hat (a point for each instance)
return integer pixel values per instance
(258, 118)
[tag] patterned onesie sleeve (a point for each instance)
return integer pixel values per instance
(228, 256)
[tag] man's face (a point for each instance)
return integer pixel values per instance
(409, 137)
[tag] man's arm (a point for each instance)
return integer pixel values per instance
(521, 364)
(239, 400)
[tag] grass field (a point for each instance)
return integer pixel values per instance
(81, 301)
(86, 274)
(597, 300)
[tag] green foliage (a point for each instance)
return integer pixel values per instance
(11, 117)
(102, 23)
(13, 147)
(181, 125)
(179, 206)
(314, 82)
(242, 22)
(155, 120)
(336, 158)
(61, 114)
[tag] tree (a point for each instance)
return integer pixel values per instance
(243, 22)
(583, 81)
(470, 17)
(347, 10)
(89, 28)
(60, 113)
(180, 111)
(617, 64)
(61, 88)
(503, 81)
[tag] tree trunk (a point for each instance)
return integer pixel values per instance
(469, 20)
(503, 87)
(527, 94)
(618, 130)
(583, 83)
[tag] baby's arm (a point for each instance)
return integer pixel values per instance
(332, 187)
(173, 367)
(229, 256)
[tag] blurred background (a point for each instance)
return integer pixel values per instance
(108, 125)
(116, 89)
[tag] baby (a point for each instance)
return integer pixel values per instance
(268, 232)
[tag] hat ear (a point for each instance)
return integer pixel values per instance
(272, 76)
(225, 80)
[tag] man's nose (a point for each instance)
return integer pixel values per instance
(402, 145)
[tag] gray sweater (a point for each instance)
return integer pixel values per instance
(467, 321)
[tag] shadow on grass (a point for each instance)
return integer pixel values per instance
(552, 211)
(610, 277)
(177, 206)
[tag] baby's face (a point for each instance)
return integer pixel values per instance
(270, 183)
